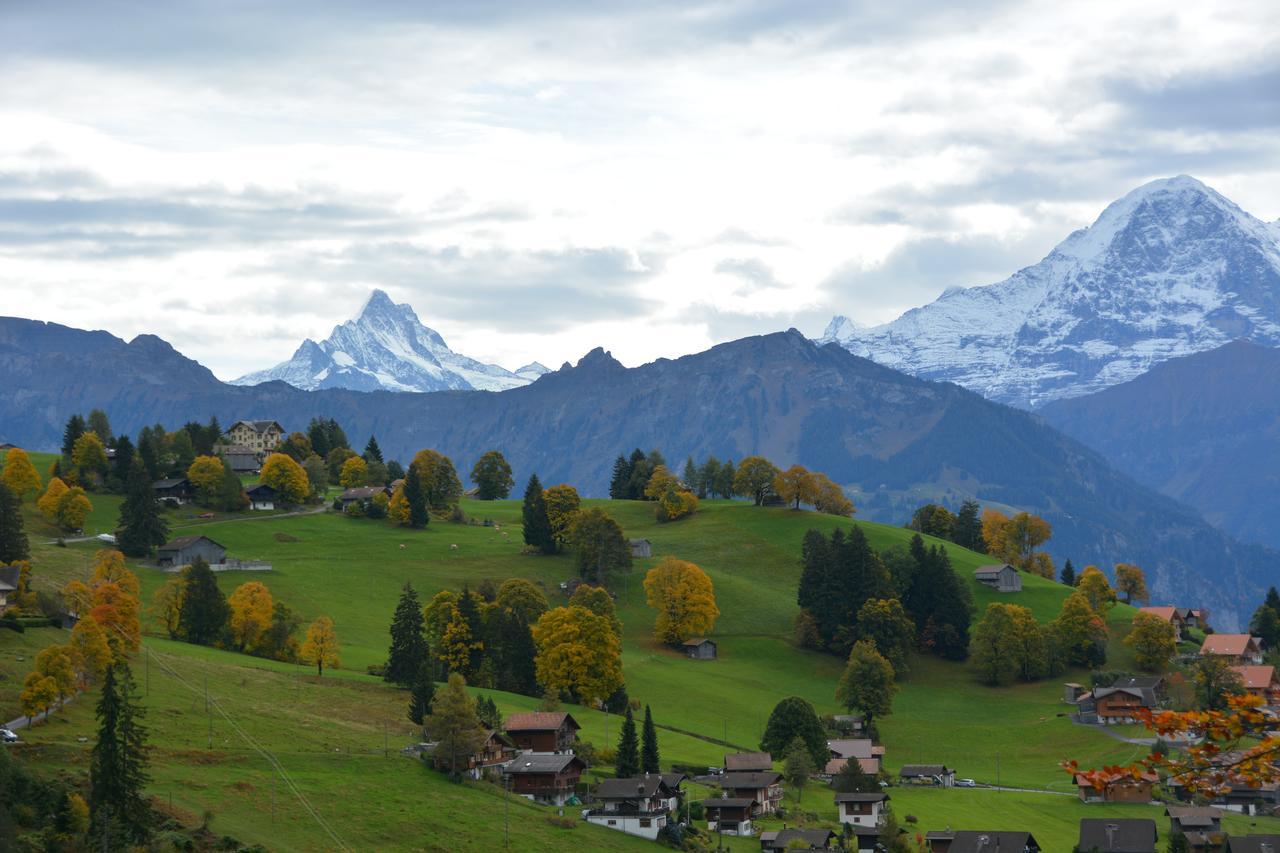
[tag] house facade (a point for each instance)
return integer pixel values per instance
(927, 774)
(260, 436)
(184, 549)
(542, 731)
(178, 490)
(1125, 791)
(861, 809)
(636, 805)
(730, 815)
(9, 576)
(546, 777)
(1001, 578)
(261, 496)
(1241, 649)
(1200, 825)
(763, 787)
(1260, 681)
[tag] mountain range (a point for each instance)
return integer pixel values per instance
(892, 440)
(388, 348)
(1171, 269)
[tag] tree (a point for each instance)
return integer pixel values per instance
(297, 446)
(1068, 574)
(90, 456)
(118, 763)
(1265, 622)
(725, 479)
(852, 779)
(321, 646)
(182, 452)
(19, 474)
(867, 684)
(1033, 653)
(100, 425)
(627, 763)
(684, 599)
(76, 597)
(1153, 640)
(71, 433)
(48, 503)
(73, 508)
(641, 468)
(754, 479)
(577, 653)
(283, 473)
(798, 765)
(1095, 588)
(674, 500)
(650, 761)
(1081, 632)
(421, 692)
(1022, 535)
(562, 503)
(335, 459)
(231, 496)
(707, 474)
(415, 498)
(889, 628)
(994, 525)
(39, 692)
(205, 474)
(90, 653)
(440, 484)
(13, 538)
(166, 605)
(598, 600)
(372, 452)
(793, 718)
(537, 524)
(1215, 683)
(317, 476)
(251, 608)
(492, 476)
(967, 531)
(140, 527)
(599, 546)
(522, 599)
(1131, 583)
(933, 520)
(55, 662)
(460, 647)
(355, 472)
(620, 480)
(938, 602)
(993, 646)
(795, 486)
(408, 643)
(204, 608)
(454, 726)
(279, 643)
(829, 498)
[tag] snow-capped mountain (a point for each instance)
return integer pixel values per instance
(388, 348)
(1171, 269)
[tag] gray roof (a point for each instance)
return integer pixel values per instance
(748, 761)
(1253, 844)
(260, 489)
(755, 781)
(360, 493)
(781, 839)
(169, 484)
(924, 770)
(673, 780)
(1118, 835)
(861, 798)
(992, 569)
(728, 802)
(259, 426)
(993, 841)
(9, 576)
(697, 641)
(625, 789)
(851, 747)
(181, 542)
(542, 762)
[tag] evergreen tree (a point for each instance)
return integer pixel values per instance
(372, 452)
(515, 653)
(1273, 599)
(204, 610)
(71, 434)
(99, 423)
(471, 617)
(852, 779)
(707, 477)
(638, 471)
(416, 498)
(791, 718)
(1068, 574)
(621, 477)
(140, 527)
(1265, 624)
(13, 538)
(231, 496)
(537, 525)
(938, 602)
(421, 693)
(408, 639)
(690, 475)
(798, 765)
(967, 532)
(117, 769)
(627, 762)
(650, 761)
(318, 432)
(724, 479)
(123, 463)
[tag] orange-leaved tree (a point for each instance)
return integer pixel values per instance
(321, 646)
(251, 607)
(684, 599)
(19, 474)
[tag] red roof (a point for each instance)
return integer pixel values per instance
(1226, 644)
(539, 721)
(1256, 677)
(1165, 613)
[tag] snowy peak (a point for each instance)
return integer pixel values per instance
(386, 347)
(533, 370)
(1172, 268)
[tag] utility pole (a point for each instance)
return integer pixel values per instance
(997, 772)
(506, 811)
(386, 753)
(208, 710)
(148, 671)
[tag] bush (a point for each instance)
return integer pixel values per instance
(562, 822)
(378, 669)
(12, 624)
(457, 516)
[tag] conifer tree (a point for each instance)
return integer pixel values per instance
(13, 538)
(141, 527)
(231, 496)
(621, 477)
(650, 761)
(372, 452)
(415, 497)
(408, 640)
(117, 771)
(627, 763)
(421, 694)
(123, 463)
(1068, 574)
(967, 532)
(71, 434)
(204, 610)
(537, 525)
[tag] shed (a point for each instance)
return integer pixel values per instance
(242, 459)
(641, 548)
(1072, 692)
(927, 774)
(184, 549)
(1001, 578)
(700, 648)
(262, 496)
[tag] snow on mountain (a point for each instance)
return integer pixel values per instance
(388, 348)
(1171, 269)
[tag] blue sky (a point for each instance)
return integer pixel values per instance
(537, 179)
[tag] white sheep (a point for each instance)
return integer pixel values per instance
(453, 547)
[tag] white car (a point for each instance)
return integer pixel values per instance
(966, 783)
(106, 537)
(7, 736)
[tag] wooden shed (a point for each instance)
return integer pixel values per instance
(641, 548)
(184, 549)
(700, 648)
(1001, 578)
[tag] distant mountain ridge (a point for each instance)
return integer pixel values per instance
(892, 440)
(1171, 269)
(387, 348)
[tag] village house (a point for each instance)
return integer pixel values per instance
(261, 496)
(1195, 618)
(1117, 835)
(765, 787)
(241, 458)
(6, 447)
(1238, 796)
(1172, 615)
(748, 762)
(1122, 791)
(1239, 648)
(675, 784)
(1253, 844)
(1260, 681)
(361, 495)
(849, 724)
(496, 752)
(634, 805)
(261, 436)
(927, 774)
(184, 549)
(796, 839)
(1200, 825)
(1001, 578)
(641, 548)
(1071, 692)
(1121, 702)
(700, 648)
(866, 753)
(547, 777)
(542, 731)
(862, 809)
(730, 815)
(178, 490)
(981, 841)
(8, 585)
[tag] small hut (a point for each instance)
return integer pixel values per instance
(700, 648)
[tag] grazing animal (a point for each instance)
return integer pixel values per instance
(453, 547)
(402, 546)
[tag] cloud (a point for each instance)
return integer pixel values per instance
(1246, 99)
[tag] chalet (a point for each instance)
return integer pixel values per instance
(242, 459)
(262, 496)
(982, 841)
(542, 731)
(700, 648)
(179, 490)
(1260, 681)
(1200, 825)
(496, 752)
(1121, 702)
(1117, 835)
(730, 815)
(862, 809)
(675, 784)
(1001, 578)
(1239, 648)
(796, 839)
(641, 548)
(1253, 844)
(1195, 618)
(1122, 791)
(849, 724)
(547, 777)
(183, 550)
(748, 762)
(8, 584)
(361, 495)
(763, 787)
(636, 805)
(927, 774)
(866, 753)
(1237, 796)
(261, 436)
(1172, 615)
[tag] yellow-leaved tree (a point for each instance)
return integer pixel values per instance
(251, 607)
(355, 473)
(118, 614)
(829, 497)
(674, 500)
(796, 486)
(206, 475)
(77, 598)
(321, 646)
(39, 692)
(1131, 583)
(48, 502)
(684, 599)
(55, 662)
(1095, 587)
(73, 509)
(1153, 640)
(577, 654)
(563, 503)
(19, 474)
(89, 457)
(90, 652)
(166, 604)
(109, 567)
(287, 477)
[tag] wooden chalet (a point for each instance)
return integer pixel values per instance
(858, 809)
(542, 731)
(262, 496)
(1238, 648)
(730, 815)
(1000, 577)
(1172, 615)
(178, 490)
(1121, 702)
(699, 648)
(1121, 791)
(637, 805)
(764, 787)
(185, 549)
(1200, 825)
(1117, 835)
(1260, 681)
(748, 762)
(547, 777)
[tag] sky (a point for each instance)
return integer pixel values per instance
(540, 178)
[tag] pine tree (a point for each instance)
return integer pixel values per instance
(638, 471)
(627, 763)
(537, 526)
(117, 771)
(471, 616)
(621, 477)
(141, 527)
(71, 434)
(372, 452)
(123, 463)
(408, 640)
(13, 538)
(231, 496)
(421, 694)
(204, 610)
(650, 761)
(415, 497)
(967, 532)
(1068, 574)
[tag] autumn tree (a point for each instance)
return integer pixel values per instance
(39, 692)
(459, 648)
(205, 474)
(55, 662)
(355, 472)
(251, 606)
(76, 597)
(684, 599)
(297, 446)
(1022, 536)
(793, 718)
(90, 652)
(578, 654)
(1081, 632)
(283, 473)
(867, 684)
(13, 538)
(673, 498)
(1096, 589)
(166, 605)
(492, 476)
(441, 487)
(48, 502)
(1131, 583)
(118, 612)
(1153, 640)
(321, 646)
(992, 646)
(599, 546)
(933, 520)
(454, 726)
(598, 600)
(523, 599)
(90, 457)
(19, 474)
(626, 763)
(538, 533)
(885, 623)
(754, 479)
(994, 525)
(795, 486)
(73, 508)
(829, 498)
(563, 504)
(140, 527)
(1035, 651)
(1215, 682)
(408, 642)
(317, 477)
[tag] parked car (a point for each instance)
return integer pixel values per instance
(106, 537)
(7, 736)
(205, 515)
(966, 783)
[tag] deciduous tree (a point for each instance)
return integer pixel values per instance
(1131, 583)
(1022, 536)
(829, 498)
(867, 684)
(90, 652)
(598, 600)
(684, 599)
(492, 476)
(563, 504)
(454, 726)
(19, 474)
(522, 599)
(73, 508)
(577, 653)
(795, 486)
(994, 525)
(993, 646)
(1093, 584)
(355, 472)
(754, 479)
(205, 474)
(166, 605)
(599, 546)
(1081, 632)
(251, 607)
(321, 646)
(283, 473)
(48, 502)
(39, 692)
(55, 662)
(440, 484)
(1215, 683)
(884, 622)
(933, 520)
(1153, 640)
(793, 718)
(90, 456)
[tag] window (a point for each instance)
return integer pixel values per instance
(645, 823)
(613, 823)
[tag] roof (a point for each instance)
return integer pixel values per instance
(181, 542)
(861, 798)
(755, 781)
(697, 641)
(542, 762)
(1184, 812)
(992, 570)
(783, 838)
(1145, 695)
(852, 747)
(748, 761)
(728, 802)
(1148, 777)
(924, 770)
(1256, 677)
(624, 789)
(1165, 613)
(539, 721)
(1118, 835)
(1253, 844)
(169, 484)
(1226, 644)
(259, 426)
(260, 489)
(673, 780)
(991, 841)
(360, 493)
(870, 766)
